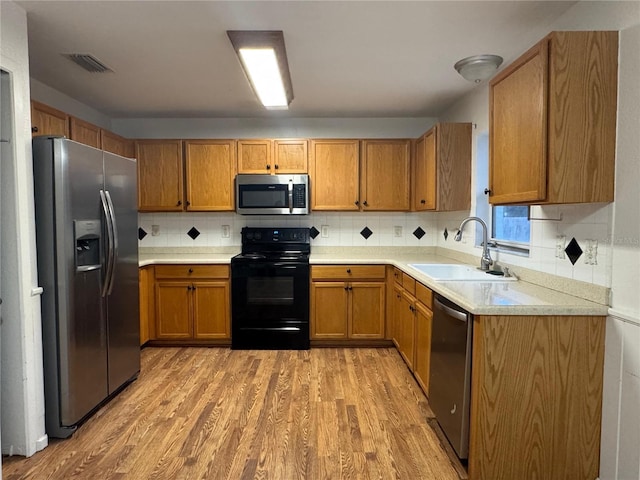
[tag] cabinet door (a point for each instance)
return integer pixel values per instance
(116, 144)
(84, 132)
(210, 170)
(329, 310)
(159, 175)
(173, 315)
(518, 129)
(254, 156)
(425, 172)
(407, 329)
(48, 121)
(290, 156)
(424, 317)
(367, 310)
(335, 174)
(385, 175)
(211, 310)
(396, 309)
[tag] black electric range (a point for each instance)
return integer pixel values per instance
(270, 289)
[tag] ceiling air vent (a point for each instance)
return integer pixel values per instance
(88, 62)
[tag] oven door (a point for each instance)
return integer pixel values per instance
(269, 294)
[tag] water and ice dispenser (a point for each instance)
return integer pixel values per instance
(87, 244)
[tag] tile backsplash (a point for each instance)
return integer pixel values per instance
(552, 229)
(333, 228)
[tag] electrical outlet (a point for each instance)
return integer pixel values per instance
(155, 230)
(324, 231)
(561, 241)
(591, 252)
(397, 231)
(226, 231)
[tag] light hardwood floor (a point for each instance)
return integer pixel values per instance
(215, 413)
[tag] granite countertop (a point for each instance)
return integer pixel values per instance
(480, 298)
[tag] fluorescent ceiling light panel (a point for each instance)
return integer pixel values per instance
(264, 60)
(261, 66)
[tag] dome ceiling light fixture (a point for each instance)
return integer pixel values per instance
(478, 68)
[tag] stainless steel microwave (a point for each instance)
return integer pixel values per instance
(272, 194)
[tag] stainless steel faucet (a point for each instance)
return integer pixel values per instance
(485, 261)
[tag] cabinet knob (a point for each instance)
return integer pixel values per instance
(357, 202)
(179, 203)
(34, 129)
(276, 166)
(487, 191)
(348, 270)
(423, 201)
(188, 287)
(188, 203)
(350, 288)
(366, 204)
(191, 270)
(346, 288)
(268, 167)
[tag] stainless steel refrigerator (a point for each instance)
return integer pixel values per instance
(87, 242)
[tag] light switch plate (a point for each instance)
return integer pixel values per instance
(155, 230)
(324, 231)
(561, 241)
(397, 231)
(226, 231)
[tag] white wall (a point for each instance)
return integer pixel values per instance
(615, 226)
(22, 394)
(272, 127)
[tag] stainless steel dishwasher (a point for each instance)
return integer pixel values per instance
(450, 371)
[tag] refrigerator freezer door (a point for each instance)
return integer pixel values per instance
(122, 302)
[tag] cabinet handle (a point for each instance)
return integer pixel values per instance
(189, 287)
(423, 201)
(191, 270)
(193, 287)
(179, 203)
(398, 296)
(346, 288)
(487, 191)
(348, 270)
(34, 129)
(366, 204)
(276, 166)
(188, 203)
(357, 202)
(268, 167)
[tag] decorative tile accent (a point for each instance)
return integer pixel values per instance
(446, 233)
(141, 233)
(573, 251)
(419, 233)
(314, 232)
(366, 232)
(193, 233)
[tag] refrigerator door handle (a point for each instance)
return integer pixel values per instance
(114, 233)
(110, 261)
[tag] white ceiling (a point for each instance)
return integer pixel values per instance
(347, 58)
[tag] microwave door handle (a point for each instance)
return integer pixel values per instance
(290, 196)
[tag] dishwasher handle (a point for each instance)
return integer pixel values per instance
(458, 315)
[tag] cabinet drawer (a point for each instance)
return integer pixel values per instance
(347, 272)
(409, 283)
(397, 275)
(192, 271)
(424, 295)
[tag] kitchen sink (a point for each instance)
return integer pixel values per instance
(449, 272)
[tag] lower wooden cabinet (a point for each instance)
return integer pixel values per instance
(348, 302)
(421, 365)
(406, 328)
(145, 288)
(192, 302)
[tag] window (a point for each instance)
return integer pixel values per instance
(509, 225)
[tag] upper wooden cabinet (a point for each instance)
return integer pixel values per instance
(334, 172)
(210, 167)
(84, 132)
(290, 156)
(254, 156)
(116, 144)
(160, 176)
(442, 171)
(46, 120)
(552, 127)
(385, 175)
